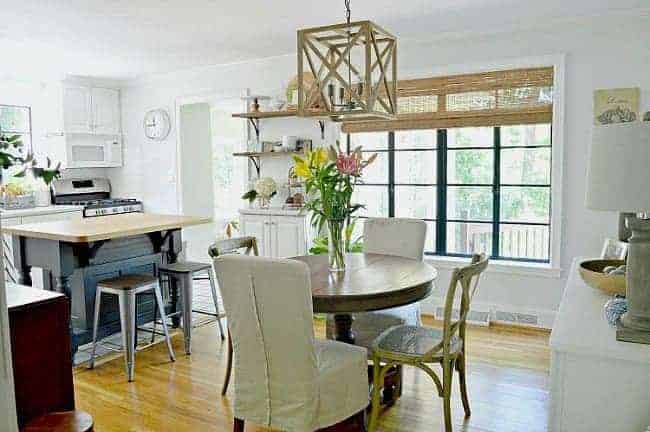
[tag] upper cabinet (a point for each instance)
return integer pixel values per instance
(77, 109)
(105, 111)
(91, 110)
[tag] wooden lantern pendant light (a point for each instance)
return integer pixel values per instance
(355, 69)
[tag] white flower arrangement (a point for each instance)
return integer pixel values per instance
(266, 187)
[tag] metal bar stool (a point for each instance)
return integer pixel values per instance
(183, 273)
(126, 288)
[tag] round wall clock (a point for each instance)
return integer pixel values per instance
(157, 124)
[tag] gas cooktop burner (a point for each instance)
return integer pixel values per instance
(103, 203)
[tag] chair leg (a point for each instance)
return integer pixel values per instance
(226, 379)
(448, 373)
(377, 384)
(155, 313)
(186, 287)
(238, 425)
(127, 321)
(462, 379)
(98, 303)
(215, 299)
(163, 318)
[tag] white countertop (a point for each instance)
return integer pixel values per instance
(580, 326)
(35, 211)
(273, 211)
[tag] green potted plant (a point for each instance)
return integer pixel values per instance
(47, 174)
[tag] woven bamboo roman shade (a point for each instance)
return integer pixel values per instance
(507, 97)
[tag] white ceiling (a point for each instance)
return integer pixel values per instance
(126, 38)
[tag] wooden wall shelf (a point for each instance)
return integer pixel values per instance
(266, 114)
(268, 154)
(256, 156)
(255, 117)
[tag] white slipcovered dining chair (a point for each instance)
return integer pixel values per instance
(387, 236)
(284, 378)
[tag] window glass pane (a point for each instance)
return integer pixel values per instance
(430, 242)
(369, 141)
(14, 119)
(415, 167)
(470, 137)
(524, 241)
(526, 166)
(375, 198)
(416, 139)
(469, 202)
(376, 172)
(525, 204)
(526, 135)
(415, 202)
(469, 238)
(470, 166)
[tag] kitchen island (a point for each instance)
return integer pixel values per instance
(76, 254)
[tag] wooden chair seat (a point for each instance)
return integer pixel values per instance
(413, 342)
(184, 267)
(128, 282)
(69, 421)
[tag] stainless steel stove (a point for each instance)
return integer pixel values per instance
(94, 195)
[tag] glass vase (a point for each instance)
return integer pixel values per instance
(336, 244)
(264, 202)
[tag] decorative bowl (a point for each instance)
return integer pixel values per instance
(591, 272)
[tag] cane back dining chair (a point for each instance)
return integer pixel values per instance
(420, 346)
(239, 245)
(285, 378)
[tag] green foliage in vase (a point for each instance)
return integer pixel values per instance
(321, 243)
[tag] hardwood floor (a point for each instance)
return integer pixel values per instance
(507, 381)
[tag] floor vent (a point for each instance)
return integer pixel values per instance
(516, 318)
(474, 317)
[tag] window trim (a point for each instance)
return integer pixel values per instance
(558, 134)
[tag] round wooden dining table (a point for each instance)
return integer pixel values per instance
(370, 282)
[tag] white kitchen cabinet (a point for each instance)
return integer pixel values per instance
(258, 226)
(91, 110)
(105, 111)
(279, 235)
(90, 136)
(77, 109)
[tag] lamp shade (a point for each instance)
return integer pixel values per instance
(618, 177)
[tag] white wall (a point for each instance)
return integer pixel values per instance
(600, 52)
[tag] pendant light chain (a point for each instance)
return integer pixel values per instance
(348, 14)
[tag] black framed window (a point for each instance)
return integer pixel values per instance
(479, 189)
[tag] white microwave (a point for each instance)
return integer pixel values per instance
(86, 151)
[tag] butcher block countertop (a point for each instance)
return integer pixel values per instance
(104, 227)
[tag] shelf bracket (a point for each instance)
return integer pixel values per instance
(255, 122)
(321, 124)
(256, 162)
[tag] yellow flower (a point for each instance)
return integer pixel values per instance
(301, 168)
(319, 157)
